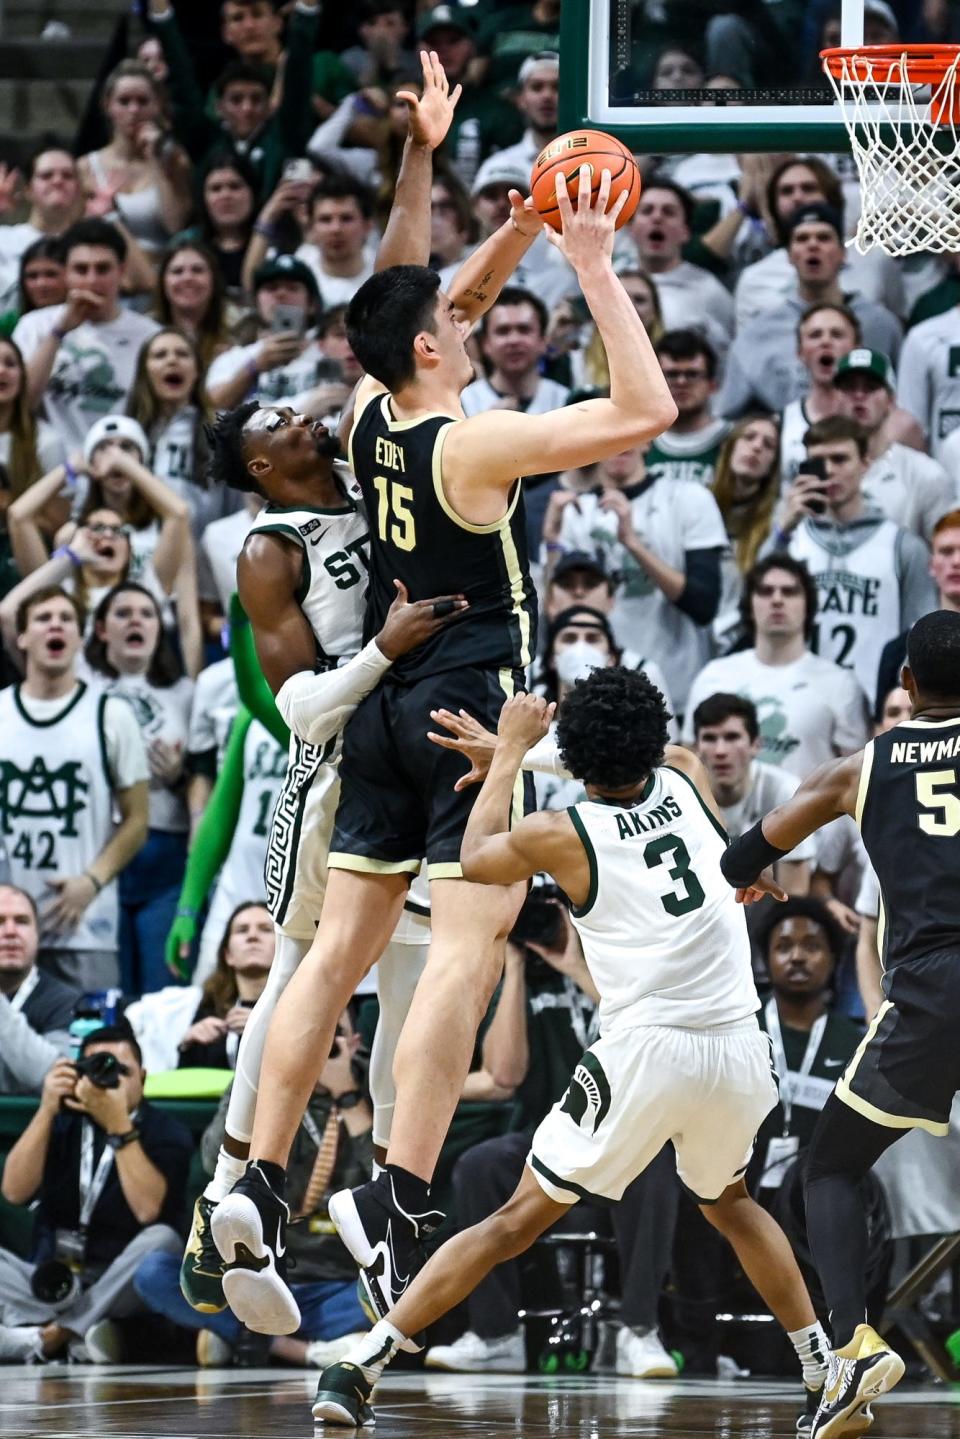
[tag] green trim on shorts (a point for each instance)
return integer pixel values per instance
(577, 1189)
(587, 843)
(703, 804)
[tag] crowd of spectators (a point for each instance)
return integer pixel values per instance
(761, 560)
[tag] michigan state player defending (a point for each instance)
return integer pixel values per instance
(446, 516)
(903, 789)
(680, 1056)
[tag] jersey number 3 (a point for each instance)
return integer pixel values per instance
(689, 895)
(936, 790)
(394, 515)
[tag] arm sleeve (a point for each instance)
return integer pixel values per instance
(544, 758)
(317, 706)
(700, 596)
(26, 1054)
(918, 595)
(255, 693)
(191, 124)
(126, 755)
(295, 116)
(214, 833)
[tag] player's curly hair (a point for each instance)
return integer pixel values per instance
(612, 728)
(226, 463)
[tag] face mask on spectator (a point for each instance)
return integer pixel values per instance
(575, 662)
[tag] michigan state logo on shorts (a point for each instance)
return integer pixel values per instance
(588, 1098)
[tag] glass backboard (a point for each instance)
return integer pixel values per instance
(609, 55)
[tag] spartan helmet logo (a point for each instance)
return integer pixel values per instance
(588, 1098)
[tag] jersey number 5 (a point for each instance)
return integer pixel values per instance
(690, 894)
(394, 513)
(936, 790)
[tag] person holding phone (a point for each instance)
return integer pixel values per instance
(872, 576)
(286, 364)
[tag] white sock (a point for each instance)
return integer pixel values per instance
(225, 1176)
(374, 1351)
(812, 1347)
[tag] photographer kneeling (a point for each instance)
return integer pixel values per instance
(109, 1173)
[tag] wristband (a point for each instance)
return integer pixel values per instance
(253, 370)
(185, 912)
(747, 857)
(268, 231)
(781, 539)
(70, 476)
(64, 552)
(60, 335)
(93, 880)
(553, 547)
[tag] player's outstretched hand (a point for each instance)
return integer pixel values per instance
(409, 624)
(588, 229)
(525, 719)
(431, 113)
(470, 739)
(763, 885)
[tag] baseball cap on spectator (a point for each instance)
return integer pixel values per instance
(578, 560)
(285, 267)
(451, 17)
(115, 427)
(495, 171)
(866, 362)
(811, 214)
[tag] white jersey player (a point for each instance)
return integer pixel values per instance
(680, 1055)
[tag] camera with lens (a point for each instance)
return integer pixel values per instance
(102, 1069)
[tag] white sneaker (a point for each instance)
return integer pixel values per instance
(470, 1354)
(213, 1352)
(321, 1352)
(19, 1344)
(103, 1342)
(641, 1355)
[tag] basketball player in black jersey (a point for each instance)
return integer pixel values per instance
(903, 790)
(443, 498)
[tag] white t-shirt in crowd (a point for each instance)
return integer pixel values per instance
(766, 788)
(809, 711)
(671, 517)
(481, 396)
(910, 488)
(93, 372)
(287, 385)
(214, 708)
(219, 550)
(50, 448)
(692, 298)
(334, 289)
(162, 713)
(14, 240)
(929, 376)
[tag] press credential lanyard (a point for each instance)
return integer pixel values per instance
(91, 1184)
(790, 1078)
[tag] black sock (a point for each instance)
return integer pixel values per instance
(275, 1175)
(410, 1191)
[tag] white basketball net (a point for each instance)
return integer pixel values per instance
(909, 164)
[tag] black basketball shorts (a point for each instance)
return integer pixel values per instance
(397, 804)
(907, 1069)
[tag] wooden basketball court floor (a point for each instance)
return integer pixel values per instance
(82, 1402)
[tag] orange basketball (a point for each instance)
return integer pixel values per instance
(570, 153)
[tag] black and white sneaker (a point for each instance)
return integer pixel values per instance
(249, 1229)
(385, 1241)
(863, 1370)
(343, 1397)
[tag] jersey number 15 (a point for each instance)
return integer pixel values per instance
(394, 515)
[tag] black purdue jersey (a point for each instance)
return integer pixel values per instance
(416, 537)
(908, 809)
